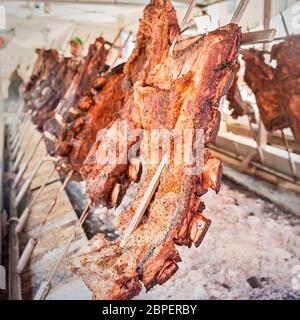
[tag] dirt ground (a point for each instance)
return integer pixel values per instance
(252, 251)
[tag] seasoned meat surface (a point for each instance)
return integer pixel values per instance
(182, 93)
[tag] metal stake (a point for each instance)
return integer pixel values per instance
(32, 243)
(18, 119)
(183, 23)
(291, 161)
(27, 183)
(286, 143)
(25, 165)
(24, 128)
(20, 156)
(24, 216)
(121, 49)
(46, 286)
(144, 202)
(239, 12)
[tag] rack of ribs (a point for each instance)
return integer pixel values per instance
(55, 128)
(237, 105)
(157, 31)
(260, 77)
(287, 78)
(95, 110)
(36, 72)
(45, 69)
(182, 92)
(115, 88)
(51, 95)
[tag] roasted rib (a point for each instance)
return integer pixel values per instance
(46, 67)
(238, 106)
(157, 31)
(182, 92)
(36, 72)
(55, 129)
(50, 96)
(287, 78)
(115, 89)
(260, 78)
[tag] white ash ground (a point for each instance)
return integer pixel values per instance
(248, 238)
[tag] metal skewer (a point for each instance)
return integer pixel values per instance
(46, 286)
(25, 214)
(113, 44)
(235, 19)
(188, 14)
(18, 158)
(284, 24)
(145, 201)
(270, 41)
(286, 143)
(27, 183)
(121, 49)
(23, 129)
(15, 145)
(18, 120)
(24, 259)
(291, 161)
(253, 37)
(239, 12)
(25, 165)
(19, 127)
(18, 123)
(183, 24)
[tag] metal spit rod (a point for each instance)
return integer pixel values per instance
(25, 214)
(121, 49)
(46, 286)
(26, 164)
(32, 243)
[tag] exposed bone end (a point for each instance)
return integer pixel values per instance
(212, 174)
(168, 270)
(59, 119)
(46, 91)
(116, 195)
(198, 228)
(195, 206)
(75, 113)
(135, 170)
(64, 149)
(162, 266)
(99, 83)
(77, 125)
(85, 103)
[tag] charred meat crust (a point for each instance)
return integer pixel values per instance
(174, 215)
